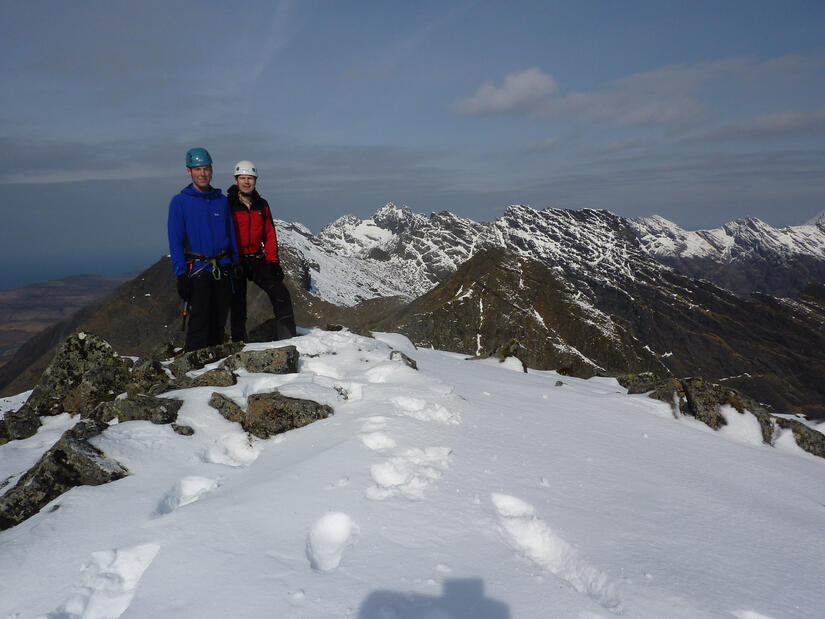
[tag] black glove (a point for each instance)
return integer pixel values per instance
(185, 287)
(277, 271)
(238, 271)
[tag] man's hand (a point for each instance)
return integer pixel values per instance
(277, 271)
(185, 287)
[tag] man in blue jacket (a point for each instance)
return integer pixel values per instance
(203, 250)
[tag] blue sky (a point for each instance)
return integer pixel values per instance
(701, 112)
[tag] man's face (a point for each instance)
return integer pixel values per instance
(201, 177)
(246, 183)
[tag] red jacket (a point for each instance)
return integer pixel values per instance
(254, 229)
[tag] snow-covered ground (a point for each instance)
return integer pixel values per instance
(462, 490)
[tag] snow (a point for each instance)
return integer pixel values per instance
(463, 489)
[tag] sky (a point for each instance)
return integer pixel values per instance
(701, 112)
(460, 490)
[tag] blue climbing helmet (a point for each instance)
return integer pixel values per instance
(197, 157)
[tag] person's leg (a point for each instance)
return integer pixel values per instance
(221, 299)
(237, 320)
(264, 276)
(197, 333)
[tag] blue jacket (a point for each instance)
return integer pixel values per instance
(200, 223)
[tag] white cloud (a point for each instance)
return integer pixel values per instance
(520, 92)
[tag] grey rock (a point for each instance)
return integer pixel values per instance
(183, 430)
(139, 407)
(268, 414)
(196, 359)
(217, 377)
(806, 437)
(281, 360)
(272, 413)
(85, 371)
(149, 377)
(226, 407)
(18, 424)
(405, 358)
(72, 461)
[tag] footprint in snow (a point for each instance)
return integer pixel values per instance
(185, 491)
(376, 422)
(418, 408)
(109, 580)
(329, 537)
(409, 473)
(377, 441)
(532, 537)
(234, 449)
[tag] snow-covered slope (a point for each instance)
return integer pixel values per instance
(463, 489)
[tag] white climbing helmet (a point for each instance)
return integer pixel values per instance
(246, 167)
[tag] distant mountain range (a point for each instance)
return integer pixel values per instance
(587, 292)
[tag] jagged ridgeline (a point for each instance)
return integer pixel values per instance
(584, 292)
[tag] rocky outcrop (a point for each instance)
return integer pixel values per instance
(268, 414)
(280, 360)
(139, 407)
(197, 359)
(72, 461)
(703, 399)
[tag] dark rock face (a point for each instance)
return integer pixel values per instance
(281, 360)
(140, 407)
(72, 461)
(149, 376)
(496, 302)
(269, 414)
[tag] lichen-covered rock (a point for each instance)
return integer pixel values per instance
(18, 424)
(806, 437)
(149, 377)
(196, 359)
(227, 407)
(139, 407)
(84, 372)
(71, 461)
(183, 430)
(272, 413)
(218, 377)
(281, 360)
(640, 383)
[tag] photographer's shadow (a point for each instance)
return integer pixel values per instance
(461, 599)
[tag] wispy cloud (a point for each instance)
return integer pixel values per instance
(520, 93)
(671, 97)
(784, 125)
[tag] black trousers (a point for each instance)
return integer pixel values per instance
(208, 310)
(263, 274)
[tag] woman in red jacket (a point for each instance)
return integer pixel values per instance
(258, 249)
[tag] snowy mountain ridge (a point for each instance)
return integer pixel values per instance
(399, 252)
(733, 241)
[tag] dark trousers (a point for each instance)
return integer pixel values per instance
(264, 275)
(208, 310)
